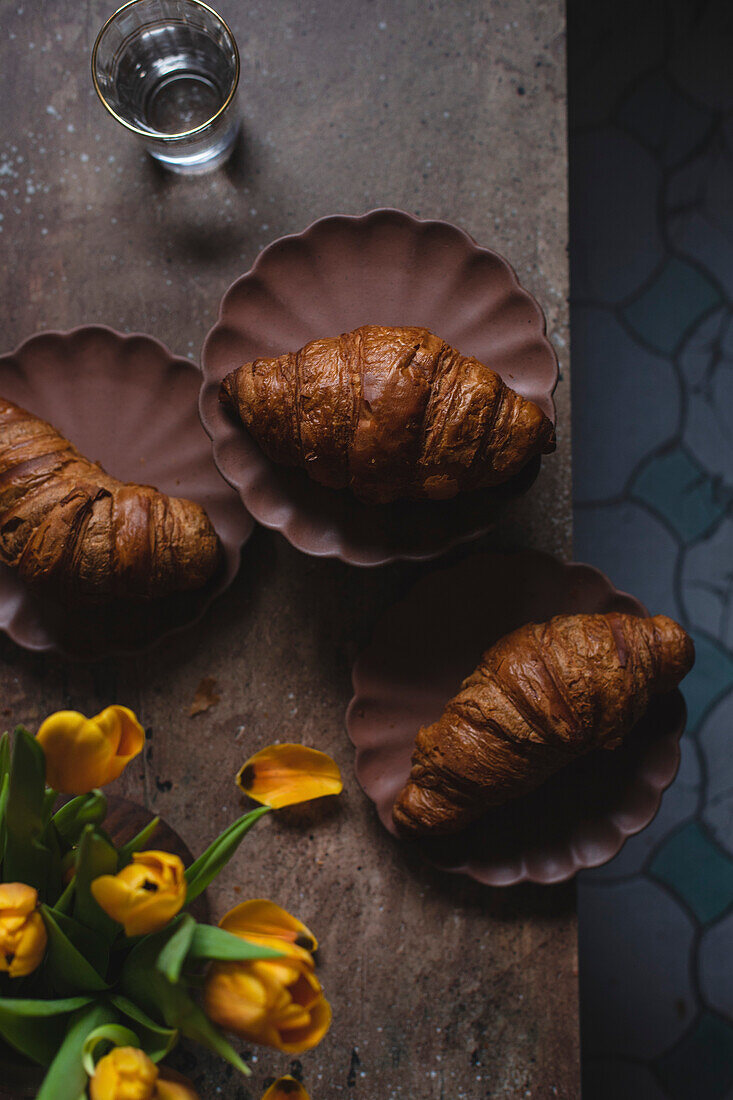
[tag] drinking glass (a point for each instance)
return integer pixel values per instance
(168, 70)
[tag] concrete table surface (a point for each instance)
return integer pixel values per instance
(440, 988)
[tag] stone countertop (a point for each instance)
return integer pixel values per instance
(440, 987)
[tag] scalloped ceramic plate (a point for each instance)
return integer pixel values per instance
(128, 403)
(386, 268)
(421, 651)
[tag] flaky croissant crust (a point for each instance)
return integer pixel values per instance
(70, 529)
(543, 695)
(392, 413)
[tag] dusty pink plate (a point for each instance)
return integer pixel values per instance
(128, 403)
(384, 268)
(422, 649)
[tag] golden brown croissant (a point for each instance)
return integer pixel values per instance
(68, 527)
(390, 412)
(544, 694)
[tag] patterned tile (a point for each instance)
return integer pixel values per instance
(701, 1066)
(715, 742)
(619, 388)
(706, 363)
(698, 200)
(634, 942)
(715, 962)
(666, 309)
(656, 510)
(622, 247)
(610, 535)
(607, 53)
(663, 119)
(707, 584)
(695, 868)
(679, 802)
(674, 484)
(710, 678)
(615, 1079)
(699, 58)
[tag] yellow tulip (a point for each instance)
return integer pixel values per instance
(276, 1002)
(286, 1088)
(127, 1073)
(84, 753)
(282, 775)
(145, 895)
(124, 1074)
(22, 931)
(263, 921)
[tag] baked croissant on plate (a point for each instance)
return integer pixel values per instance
(543, 695)
(392, 413)
(70, 529)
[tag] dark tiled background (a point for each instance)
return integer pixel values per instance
(651, 203)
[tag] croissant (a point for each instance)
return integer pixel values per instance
(392, 413)
(544, 694)
(70, 529)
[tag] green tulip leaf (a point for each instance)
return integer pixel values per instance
(36, 1028)
(95, 856)
(49, 801)
(214, 943)
(112, 1035)
(4, 787)
(30, 854)
(155, 1040)
(68, 970)
(86, 809)
(90, 944)
(205, 869)
(148, 987)
(173, 955)
(66, 1078)
(65, 901)
(138, 842)
(192, 1022)
(4, 755)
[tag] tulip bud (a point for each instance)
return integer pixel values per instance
(145, 895)
(84, 753)
(22, 931)
(128, 1074)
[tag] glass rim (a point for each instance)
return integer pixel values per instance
(153, 134)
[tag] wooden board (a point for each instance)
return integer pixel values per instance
(440, 988)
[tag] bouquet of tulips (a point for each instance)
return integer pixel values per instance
(102, 967)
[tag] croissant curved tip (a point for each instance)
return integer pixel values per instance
(677, 650)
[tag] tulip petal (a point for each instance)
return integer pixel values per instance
(283, 775)
(286, 1088)
(23, 936)
(302, 1039)
(84, 753)
(261, 919)
(125, 732)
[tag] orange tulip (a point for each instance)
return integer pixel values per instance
(282, 775)
(23, 935)
(145, 895)
(286, 1088)
(127, 1073)
(276, 1002)
(84, 753)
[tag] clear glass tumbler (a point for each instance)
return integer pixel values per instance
(168, 70)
